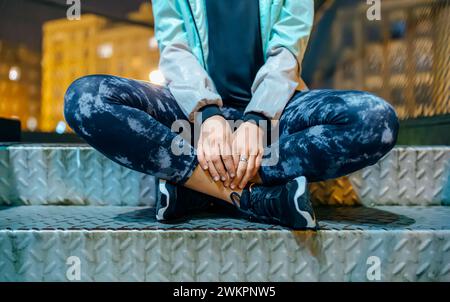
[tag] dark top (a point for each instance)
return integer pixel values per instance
(235, 50)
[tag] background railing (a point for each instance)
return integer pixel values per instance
(404, 57)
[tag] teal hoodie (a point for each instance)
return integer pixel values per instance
(182, 34)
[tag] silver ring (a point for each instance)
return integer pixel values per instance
(243, 158)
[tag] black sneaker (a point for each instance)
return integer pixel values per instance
(286, 205)
(175, 202)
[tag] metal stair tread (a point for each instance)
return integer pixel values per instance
(94, 218)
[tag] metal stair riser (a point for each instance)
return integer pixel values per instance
(225, 255)
(81, 175)
(406, 176)
(75, 176)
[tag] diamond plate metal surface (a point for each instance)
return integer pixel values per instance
(334, 192)
(406, 176)
(79, 175)
(69, 174)
(126, 244)
(143, 218)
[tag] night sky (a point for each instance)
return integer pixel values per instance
(21, 20)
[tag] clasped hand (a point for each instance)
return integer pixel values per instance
(233, 158)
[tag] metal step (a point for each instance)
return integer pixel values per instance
(120, 243)
(70, 175)
(79, 175)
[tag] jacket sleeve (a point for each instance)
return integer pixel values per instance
(279, 77)
(185, 77)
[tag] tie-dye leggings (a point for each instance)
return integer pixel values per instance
(322, 133)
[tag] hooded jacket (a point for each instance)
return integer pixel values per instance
(182, 34)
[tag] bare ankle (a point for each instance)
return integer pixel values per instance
(202, 182)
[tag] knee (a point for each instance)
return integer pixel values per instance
(391, 125)
(379, 123)
(81, 98)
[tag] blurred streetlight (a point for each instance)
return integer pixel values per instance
(153, 43)
(60, 127)
(105, 51)
(14, 73)
(32, 123)
(156, 77)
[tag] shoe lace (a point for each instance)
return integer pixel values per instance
(268, 204)
(263, 204)
(236, 200)
(262, 208)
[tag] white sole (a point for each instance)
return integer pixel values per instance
(163, 190)
(301, 189)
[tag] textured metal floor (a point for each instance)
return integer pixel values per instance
(127, 244)
(141, 218)
(60, 203)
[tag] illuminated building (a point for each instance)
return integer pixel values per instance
(404, 57)
(72, 49)
(20, 84)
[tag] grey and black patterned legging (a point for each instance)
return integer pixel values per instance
(322, 133)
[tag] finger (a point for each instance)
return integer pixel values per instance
(212, 170)
(249, 171)
(235, 154)
(217, 161)
(201, 158)
(258, 163)
(242, 168)
(227, 159)
(227, 181)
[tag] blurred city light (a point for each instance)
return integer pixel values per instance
(105, 51)
(156, 77)
(153, 43)
(60, 127)
(32, 123)
(14, 73)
